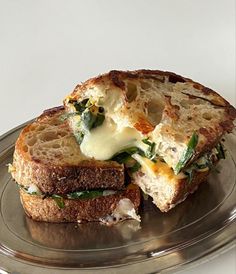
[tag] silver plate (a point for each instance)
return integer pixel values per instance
(200, 227)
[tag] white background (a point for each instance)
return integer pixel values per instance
(48, 46)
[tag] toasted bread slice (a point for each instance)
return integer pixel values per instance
(167, 192)
(166, 108)
(76, 210)
(48, 156)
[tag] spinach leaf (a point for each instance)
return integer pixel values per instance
(99, 120)
(85, 194)
(188, 153)
(135, 167)
(80, 106)
(25, 188)
(59, 200)
(221, 152)
(211, 164)
(121, 158)
(123, 155)
(88, 119)
(79, 136)
(147, 142)
(33, 193)
(190, 173)
(150, 153)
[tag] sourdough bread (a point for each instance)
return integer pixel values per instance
(76, 210)
(48, 156)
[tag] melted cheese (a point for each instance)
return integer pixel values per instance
(33, 189)
(158, 168)
(106, 140)
(124, 210)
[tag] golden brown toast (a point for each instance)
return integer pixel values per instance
(48, 156)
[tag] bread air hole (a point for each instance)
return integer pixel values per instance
(132, 92)
(62, 133)
(155, 109)
(40, 128)
(32, 141)
(48, 136)
(56, 146)
(185, 103)
(207, 116)
(145, 85)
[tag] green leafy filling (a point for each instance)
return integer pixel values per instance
(150, 153)
(91, 117)
(91, 120)
(205, 161)
(58, 200)
(221, 151)
(80, 106)
(135, 167)
(124, 156)
(26, 189)
(79, 136)
(85, 194)
(187, 155)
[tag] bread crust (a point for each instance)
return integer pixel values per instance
(75, 210)
(61, 177)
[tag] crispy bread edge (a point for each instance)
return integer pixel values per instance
(75, 210)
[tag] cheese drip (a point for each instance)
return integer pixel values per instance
(106, 140)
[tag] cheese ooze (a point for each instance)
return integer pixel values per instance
(103, 142)
(106, 140)
(157, 168)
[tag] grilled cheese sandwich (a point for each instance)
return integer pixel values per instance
(161, 126)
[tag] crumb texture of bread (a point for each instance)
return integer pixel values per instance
(47, 155)
(163, 106)
(75, 210)
(167, 194)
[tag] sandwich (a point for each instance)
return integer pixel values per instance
(166, 130)
(58, 183)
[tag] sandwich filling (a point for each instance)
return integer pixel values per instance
(124, 209)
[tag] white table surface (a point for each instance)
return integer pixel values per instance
(48, 46)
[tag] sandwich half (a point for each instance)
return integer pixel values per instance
(166, 129)
(57, 183)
